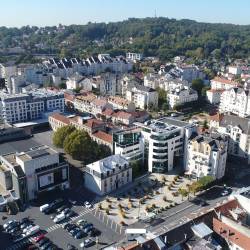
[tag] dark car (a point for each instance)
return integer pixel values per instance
(43, 241)
(71, 247)
(60, 209)
(66, 226)
(95, 232)
(203, 203)
(26, 224)
(80, 234)
(75, 231)
(72, 226)
(46, 245)
(70, 213)
(88, 228)
(12, 226)
(24, 220)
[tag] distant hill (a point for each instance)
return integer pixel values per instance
(161, 37)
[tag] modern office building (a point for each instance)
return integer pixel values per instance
(35, 171)
(165, 142)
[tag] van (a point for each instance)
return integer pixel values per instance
(43, 207)
(59, 218)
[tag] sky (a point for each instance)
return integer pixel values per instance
(16, 13)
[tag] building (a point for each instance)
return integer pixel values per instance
(231, 223)
(187, 72)
(181, 96)
(165, 143)
(108, 174)
(238, 130)
(143, 97)
(78, 81)
(8, 133)
(134, 56)
(105, 84)
(234, 70)
(214, 95)
(31, 106)
(207, 155)
(235, 100)
(128, 143)
(222, 83)
(83, 103)
(121, 103)
(35, 171)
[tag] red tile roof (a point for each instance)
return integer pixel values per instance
(223, 80)
(100, 102)
(215, 90)
(108, 112)
(69, 97)
(122, 115)
(104, 136)
(61, 118)
(92, 122)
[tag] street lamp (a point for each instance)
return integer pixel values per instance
(139, 210)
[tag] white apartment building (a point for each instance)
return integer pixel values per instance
(165, 142)
(78, 81)
(33, 105)
(182, 96)
(128, 143)
(222, 83)
(234, 70)
(238, 130)
(168, 83)
(121, 103)
(207, 155)
(143, 97)
(105, 84)
(35, 171)
(107, 175)
(214, 95)
(236, 101)
(187, 72)
(134, 56)
(152, 80)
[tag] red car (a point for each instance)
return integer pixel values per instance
(39, 237)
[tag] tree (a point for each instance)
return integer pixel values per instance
(62, 85)
(205, 181)
(183, 192)
(78, 145)
(162, 98)
(60, 135)
(197, 85)
(194, 187)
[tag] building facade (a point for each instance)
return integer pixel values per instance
(26, 107)
(35, 171)
(207, 155)
(108, 174)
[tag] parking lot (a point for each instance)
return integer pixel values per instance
(55, 232)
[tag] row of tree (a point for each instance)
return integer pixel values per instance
(79, 145)
(160, 37)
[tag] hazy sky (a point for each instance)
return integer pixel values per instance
(53, 12)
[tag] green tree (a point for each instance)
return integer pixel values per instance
(183, 192)
(162, 98)
(78, 145)
(205, 181)
(60, 135)
(205, 124)
(62, 85)
(197, 85)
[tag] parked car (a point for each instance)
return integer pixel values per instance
(69, 214)
(95, 232)
(70, 227)
(44, 207)
(43, 241)
(87, 204)
(71, 247)
(87, 243)
(79, 235)
(81, 222)
(60, 209)
(46, 245)
(59, 218)
(88, 228)
(66, 226)
(39, 238)
(7, 224)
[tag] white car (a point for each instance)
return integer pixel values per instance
(225, 193)
(87, 204)
(59, 218)
(26, 229)
(8, 223)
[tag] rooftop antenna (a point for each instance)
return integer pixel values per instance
(155, 14)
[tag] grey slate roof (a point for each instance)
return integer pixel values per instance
(243, 123)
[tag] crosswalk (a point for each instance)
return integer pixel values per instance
(85, 211)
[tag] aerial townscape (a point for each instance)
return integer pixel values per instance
(124, 135)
